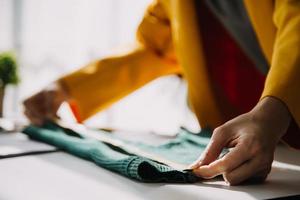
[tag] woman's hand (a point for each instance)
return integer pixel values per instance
(44, 105)
(252, 138)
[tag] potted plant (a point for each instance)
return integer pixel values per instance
(8, 74)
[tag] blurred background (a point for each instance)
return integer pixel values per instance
(53, 37)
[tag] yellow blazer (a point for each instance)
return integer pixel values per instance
(169, 42)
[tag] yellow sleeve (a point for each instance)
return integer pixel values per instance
(283, 80)
(102, 82)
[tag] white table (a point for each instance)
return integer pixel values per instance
(62, 176)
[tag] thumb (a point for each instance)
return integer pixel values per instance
(217, 142)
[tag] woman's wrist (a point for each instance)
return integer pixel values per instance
(274, 114)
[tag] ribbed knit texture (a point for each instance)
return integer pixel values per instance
(184, 149)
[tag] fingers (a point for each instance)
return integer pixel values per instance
(41, 107)
(251, 170)
(258, 177)
(49, 106)
(34, 111)
(34, 118)
(218, 141)
(230, 161)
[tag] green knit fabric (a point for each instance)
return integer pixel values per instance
(184, 149)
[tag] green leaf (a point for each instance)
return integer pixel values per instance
(8, 69)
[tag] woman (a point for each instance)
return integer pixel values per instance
(241, 60)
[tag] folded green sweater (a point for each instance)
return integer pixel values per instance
(184, 149)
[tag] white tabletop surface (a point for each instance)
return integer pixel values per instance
(63, 176)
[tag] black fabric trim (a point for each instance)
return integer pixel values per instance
(29, 153)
